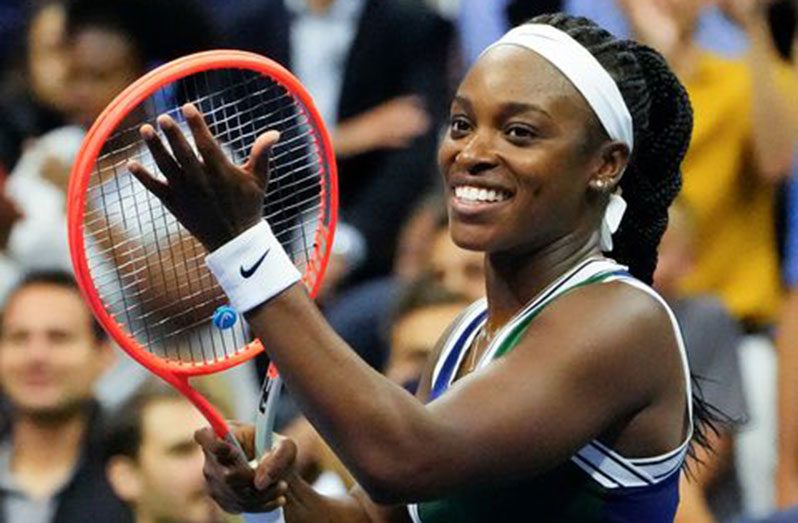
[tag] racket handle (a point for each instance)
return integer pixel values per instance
(264, 421)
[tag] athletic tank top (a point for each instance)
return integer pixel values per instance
(597, 485)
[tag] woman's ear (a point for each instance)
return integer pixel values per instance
(612, 159)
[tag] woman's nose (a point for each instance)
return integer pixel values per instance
(478, 154)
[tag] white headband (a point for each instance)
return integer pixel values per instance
(582, 70)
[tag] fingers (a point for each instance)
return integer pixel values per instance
(213, 447)
(207, 146)
(275, 464)
(259, 158)
(156, 187)
(181, 148)
(266, 501)
(245, 434)
(230, 482)
(163, 158)
(206, 438)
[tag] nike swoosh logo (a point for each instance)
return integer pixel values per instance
(246, 273)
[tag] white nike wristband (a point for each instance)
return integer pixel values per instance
(252, 268)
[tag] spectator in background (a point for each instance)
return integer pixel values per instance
(480, 23)
(787, 334)
(737, 155)
(377, 72)
(153, 462)
(108, 45)
(712, 338)
(9, 216)
(33, 99)
(51, 354)
(456, 269)
(423, 311)
(787, 345)
(714, 31)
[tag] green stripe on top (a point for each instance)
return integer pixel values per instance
(514, 336)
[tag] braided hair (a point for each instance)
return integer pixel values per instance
(662, 119)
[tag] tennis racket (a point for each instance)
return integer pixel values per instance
(141, 272)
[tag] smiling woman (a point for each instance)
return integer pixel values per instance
(576, 405)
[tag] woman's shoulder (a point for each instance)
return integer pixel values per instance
(624, 303)
(621, 322)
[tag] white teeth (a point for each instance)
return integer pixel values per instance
(475, 194)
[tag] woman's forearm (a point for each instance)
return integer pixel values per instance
(377, 429)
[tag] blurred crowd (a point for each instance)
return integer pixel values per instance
(83, 430)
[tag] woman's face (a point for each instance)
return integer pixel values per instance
(515, 158)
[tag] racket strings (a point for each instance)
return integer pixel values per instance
(148, 270)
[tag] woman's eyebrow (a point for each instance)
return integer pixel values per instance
(507, 109)
(514, 108)
(464, 102)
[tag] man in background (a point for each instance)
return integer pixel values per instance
(153, 462)
(51, 354)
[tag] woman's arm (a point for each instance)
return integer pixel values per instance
(280, 483)
(585, 375)
(275, 484)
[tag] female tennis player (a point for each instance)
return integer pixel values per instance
(565, 395)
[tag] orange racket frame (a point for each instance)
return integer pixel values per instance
(177, 373)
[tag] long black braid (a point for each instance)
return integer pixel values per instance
(663, 122)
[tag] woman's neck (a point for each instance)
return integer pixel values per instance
(513, 279)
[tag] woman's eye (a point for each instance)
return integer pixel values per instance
(459, 125)
(521, 132)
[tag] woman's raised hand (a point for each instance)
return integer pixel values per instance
(212, 197)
